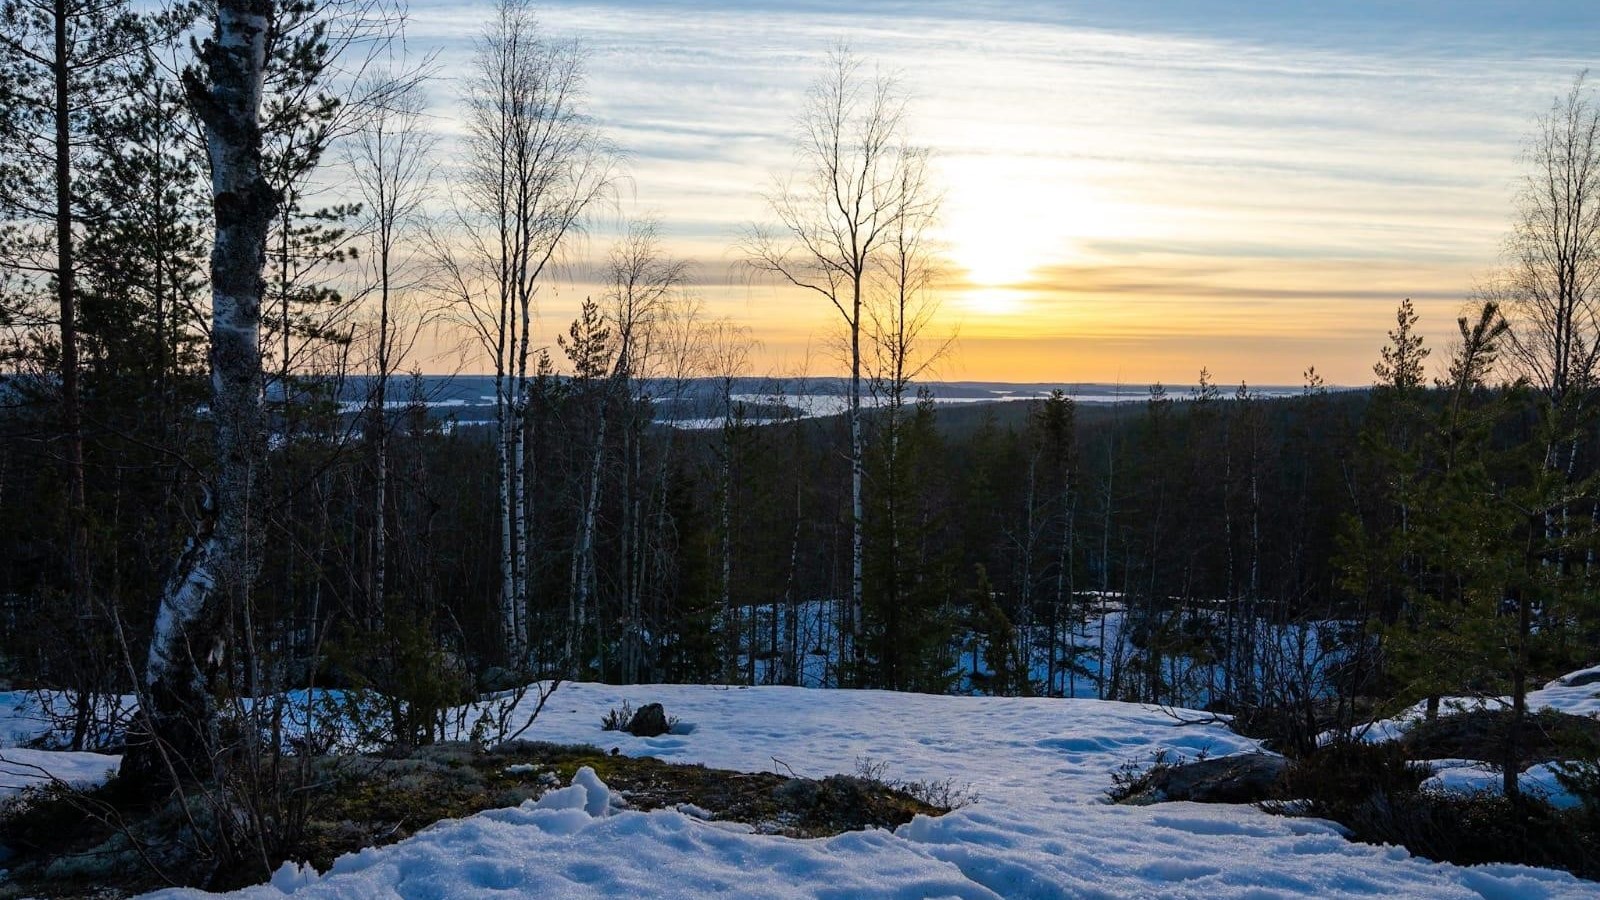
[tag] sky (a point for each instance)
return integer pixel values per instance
(1132, 189)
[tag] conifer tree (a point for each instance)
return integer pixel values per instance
(64, 74)
(908, 628)
(1376, 538)
(1055, 421)
(1437, 643)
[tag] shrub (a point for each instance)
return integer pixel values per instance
(1376, 793)
(617, 719)
(1346, 775)
(944, 794)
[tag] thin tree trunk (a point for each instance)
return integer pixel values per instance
(510, 634)
(380, 421)
(730, 651)
(857, 474)
(71, 410)
(583, 557)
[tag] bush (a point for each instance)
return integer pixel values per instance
(945, 794)
(1375, 792)
(1347, 775)
(617, 718)
(1134, 779)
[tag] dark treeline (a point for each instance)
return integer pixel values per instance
(1298, 560)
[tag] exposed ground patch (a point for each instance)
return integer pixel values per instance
(365, 801)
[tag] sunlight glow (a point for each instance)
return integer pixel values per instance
(1006, 217)
(995, 301)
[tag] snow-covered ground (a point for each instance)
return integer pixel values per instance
(1469, 776)
(1040, 827)
(1576, 693)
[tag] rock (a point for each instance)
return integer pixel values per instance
(649, 721)
(1246, 778)
(496, 678)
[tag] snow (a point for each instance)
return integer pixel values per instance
(34, 717)
(1468, 776)
(33, 731)
(1040, 827)
(31, 718)
(1392, 729)
(22, 768)
(1581, 699)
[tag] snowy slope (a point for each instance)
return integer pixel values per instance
(1040, 829)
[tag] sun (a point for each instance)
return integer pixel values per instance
(1002, 222)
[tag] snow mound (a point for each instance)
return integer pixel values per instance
(1576, 693)
(587, 792)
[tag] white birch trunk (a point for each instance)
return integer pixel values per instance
(186, 648)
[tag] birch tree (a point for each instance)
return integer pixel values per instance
(727, 355)
(834, 217)
(533, 164)
(216, 570)
(1550, 290)
(900, 318)
(392, 169)
(644, 293)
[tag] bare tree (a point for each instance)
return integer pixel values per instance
(678, 339)
(900, 313)
(534, 164)
(1550, 290)
(646, 287)
(1550, 293)
(903, 306)
(835, 216)
(392, 169)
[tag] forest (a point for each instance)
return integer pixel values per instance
(221, 222)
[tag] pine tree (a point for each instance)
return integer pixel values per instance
(1400, 368)
(1437, 643)
(908, 629)
(63, 76)
(1376, 539)
(1055, 423)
